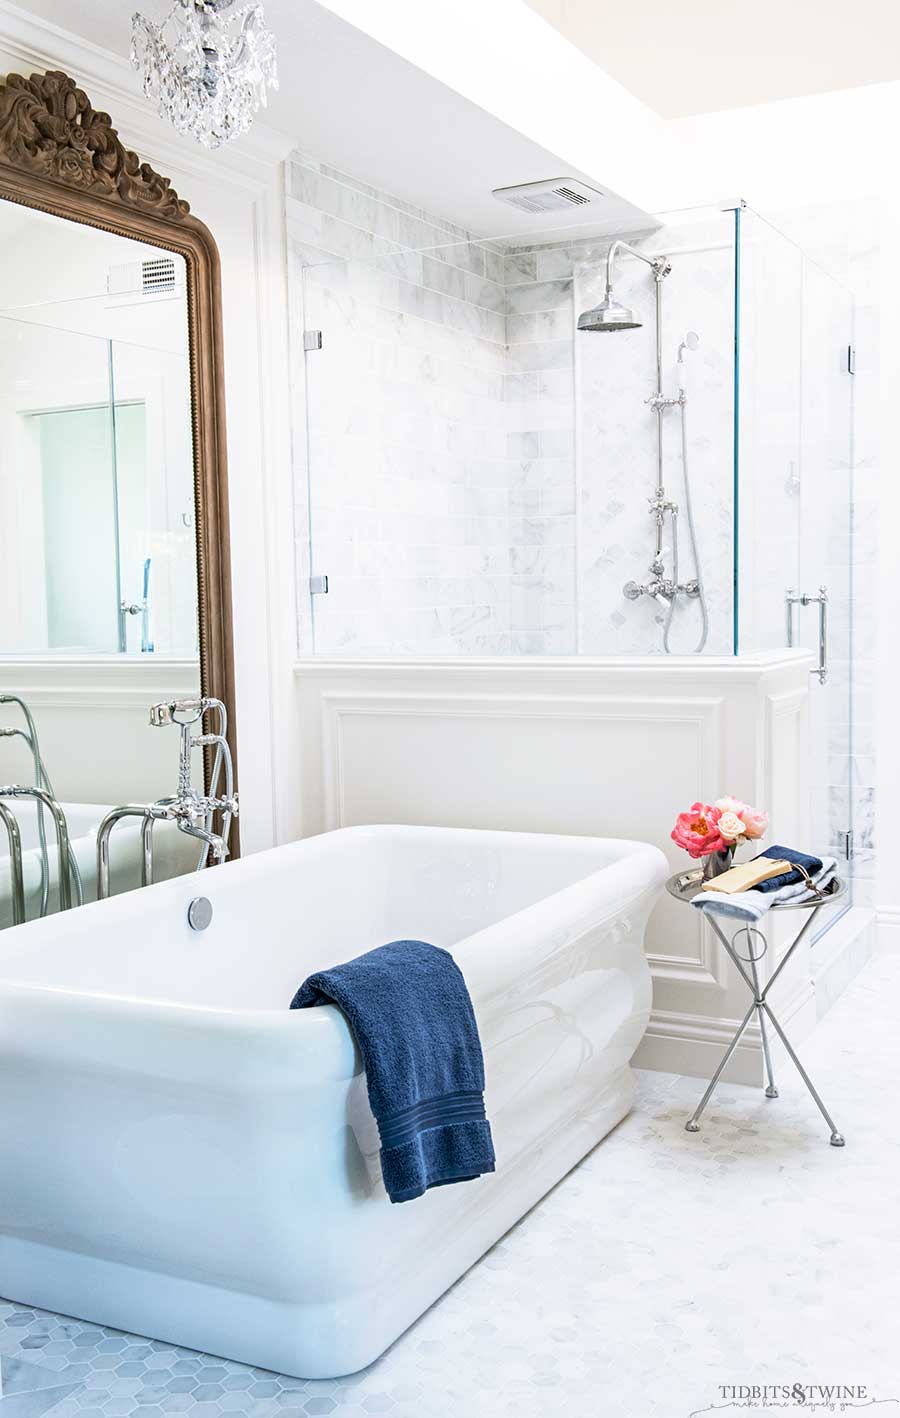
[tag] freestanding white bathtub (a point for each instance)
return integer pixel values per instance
(184, 1157)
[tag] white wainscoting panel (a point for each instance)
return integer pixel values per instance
(605, 748)
(92, 718)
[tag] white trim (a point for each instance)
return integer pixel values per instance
(707, 666)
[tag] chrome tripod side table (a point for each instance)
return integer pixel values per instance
(684, 886)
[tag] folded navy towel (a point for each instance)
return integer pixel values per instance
(788, 878)
(411, 1016)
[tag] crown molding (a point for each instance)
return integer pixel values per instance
(34, 43)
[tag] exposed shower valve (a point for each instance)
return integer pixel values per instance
(658, 402)
(659, 506)
(662, 588)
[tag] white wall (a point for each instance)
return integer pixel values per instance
(237, 192)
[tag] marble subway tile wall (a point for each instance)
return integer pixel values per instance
(540, 398)
(478, 476)
(585, 442)
(406, 503)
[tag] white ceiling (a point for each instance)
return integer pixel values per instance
(358, 106)
(701, 56)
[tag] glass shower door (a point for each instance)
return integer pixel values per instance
(822, 619)
(794, 563)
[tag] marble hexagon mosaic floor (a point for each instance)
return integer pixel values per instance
(663, 1267)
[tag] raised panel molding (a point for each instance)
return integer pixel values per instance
(111, 683)
(610, 748)
(696, 958)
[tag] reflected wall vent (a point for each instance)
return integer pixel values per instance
(558, 194)
(158, 275)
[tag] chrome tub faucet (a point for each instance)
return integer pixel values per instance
(192, 812)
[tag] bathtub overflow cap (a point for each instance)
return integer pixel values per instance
(200, 913)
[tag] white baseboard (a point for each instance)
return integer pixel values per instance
(693, 1044)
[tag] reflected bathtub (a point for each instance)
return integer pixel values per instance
(173, 854)
(187, 1159)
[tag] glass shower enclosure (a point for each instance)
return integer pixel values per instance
(96, 490)
(487, 480)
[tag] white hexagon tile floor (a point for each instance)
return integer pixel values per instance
(665, 1265)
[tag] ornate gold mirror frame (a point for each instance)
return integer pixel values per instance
(59, 155)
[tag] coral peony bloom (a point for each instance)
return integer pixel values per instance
(755, 823)
(698, 832)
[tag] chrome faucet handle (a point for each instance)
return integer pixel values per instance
(178, 711)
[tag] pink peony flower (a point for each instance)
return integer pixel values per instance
(755, 823)
(697, 830)
(735, 805)
(734, 812)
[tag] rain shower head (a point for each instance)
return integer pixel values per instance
(608, 315)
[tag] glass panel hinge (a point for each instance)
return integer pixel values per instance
(851, 359)
(318, 585)
(312, 339)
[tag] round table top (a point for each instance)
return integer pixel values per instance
(685, 885)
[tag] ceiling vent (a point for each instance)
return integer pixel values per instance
(560, 194)
(153, 277)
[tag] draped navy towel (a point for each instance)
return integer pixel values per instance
(410, 1013)
(788, 878)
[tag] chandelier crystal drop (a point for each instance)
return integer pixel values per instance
(207, 71)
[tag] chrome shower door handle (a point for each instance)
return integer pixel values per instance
(800, 598)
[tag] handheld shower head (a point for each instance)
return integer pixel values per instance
(691, 341)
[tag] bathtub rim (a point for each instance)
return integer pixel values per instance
(565, 902)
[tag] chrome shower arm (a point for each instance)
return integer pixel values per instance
(659, 263)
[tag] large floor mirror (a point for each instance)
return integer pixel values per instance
(114, 586)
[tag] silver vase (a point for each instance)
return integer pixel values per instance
(717, 862)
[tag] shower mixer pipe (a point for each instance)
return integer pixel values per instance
(610, 315)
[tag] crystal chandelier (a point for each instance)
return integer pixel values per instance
(207, 71)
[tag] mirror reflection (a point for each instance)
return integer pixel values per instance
(98, 578)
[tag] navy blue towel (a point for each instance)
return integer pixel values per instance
(787, 878)
(411, 1016)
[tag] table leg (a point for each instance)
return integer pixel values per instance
(837, 1139)
(771, 1090)
(693, 1124)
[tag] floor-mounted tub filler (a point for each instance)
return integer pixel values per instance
(186, 1158)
